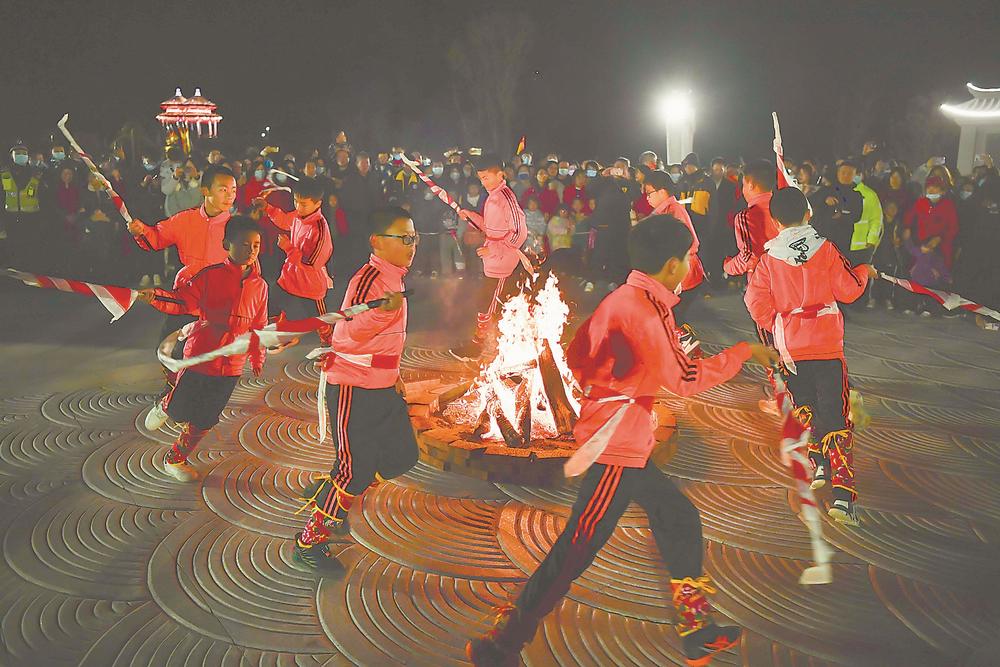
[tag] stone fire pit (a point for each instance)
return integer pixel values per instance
(453, 447)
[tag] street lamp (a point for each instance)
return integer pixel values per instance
(676, 110)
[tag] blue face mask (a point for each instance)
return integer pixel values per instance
(320, 170)
(21, 159)
(437, 171)
(981, 181)
(281, 178)
(965, 194)
(675, 177)
(259, 174)
(455, 175)
(58, 155)
(857, 179)
(934, 198)
(563, 172)
(524, 175)
(591, 173)
(148, 166)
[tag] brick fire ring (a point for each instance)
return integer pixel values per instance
(451, 447)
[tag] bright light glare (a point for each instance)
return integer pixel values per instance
(676, 107)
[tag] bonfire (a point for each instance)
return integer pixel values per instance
(527, 391)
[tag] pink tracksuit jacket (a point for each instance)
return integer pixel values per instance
(198, 239)
(304, 272)
(367, 348)
(505, 230)
(628, 349)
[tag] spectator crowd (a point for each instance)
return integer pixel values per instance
(926, 222)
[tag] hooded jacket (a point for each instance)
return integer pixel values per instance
(796, 287)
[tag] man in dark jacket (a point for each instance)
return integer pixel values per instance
(614, 192)
(718, 240)
(837, 207)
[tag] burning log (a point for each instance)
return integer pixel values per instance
(523, 401)
(507, 430)
(555, 390)
(484, 421)
(453, 394)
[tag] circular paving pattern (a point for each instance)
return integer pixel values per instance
(288, 442)
(427, 621)
(131, 470)
(627, 577)
(77, 543)
(94, 406)
(448, 536)
(257, 496)
(236, 586)
(108, 561)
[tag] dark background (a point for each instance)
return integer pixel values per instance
(837, 72)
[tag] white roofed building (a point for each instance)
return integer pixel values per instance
(979, 119)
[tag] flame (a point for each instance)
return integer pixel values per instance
(524, 328)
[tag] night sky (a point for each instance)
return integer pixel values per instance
(835, 71)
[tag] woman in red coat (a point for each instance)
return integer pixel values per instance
(934, 218)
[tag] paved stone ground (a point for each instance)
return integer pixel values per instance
(108, 562)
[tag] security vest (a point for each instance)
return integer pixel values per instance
(19, 201)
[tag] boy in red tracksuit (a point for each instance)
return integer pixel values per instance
(754, 225)
(304, 279)
(197, 233)
(506, 230)
(656, 189)
(622, 356)
(793, 294)
(369, 418)
(230, 299)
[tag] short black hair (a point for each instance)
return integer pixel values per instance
(655, 240)
(239, 225)
(660, 180)
(489, 161)
(719, 160)
(308, 188)
(213, 170)
(382, 218)
(789, 206)
(762, 173)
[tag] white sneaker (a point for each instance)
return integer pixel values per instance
(588, 287)
(145, 282)
(157, 280)
(889, 306)
(182, 472)
(156, 417)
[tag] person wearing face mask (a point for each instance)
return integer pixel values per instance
(613, 192)
(521, 182)
(548, 198)
(22, 185)
(838, 208)
(933, 220)
(868, 230)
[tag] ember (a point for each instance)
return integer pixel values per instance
(525, 392)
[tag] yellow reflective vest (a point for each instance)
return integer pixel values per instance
(24, 200)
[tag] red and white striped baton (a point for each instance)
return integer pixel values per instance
(441, 193)
(794, 439)
(119, 204)
(948, 300)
